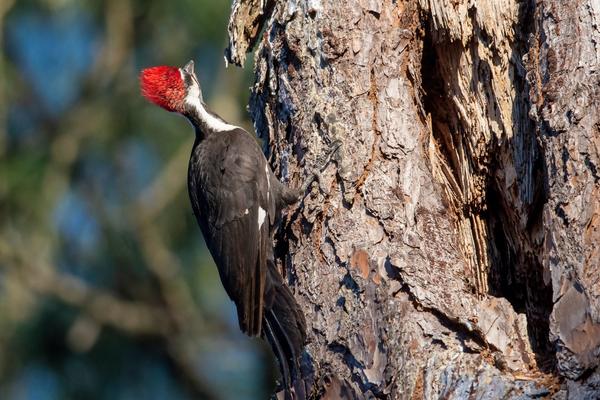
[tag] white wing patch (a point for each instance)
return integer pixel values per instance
(268, 180)
(261, 217)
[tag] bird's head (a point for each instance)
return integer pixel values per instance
(169, 87)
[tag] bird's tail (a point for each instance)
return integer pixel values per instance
(284, 327)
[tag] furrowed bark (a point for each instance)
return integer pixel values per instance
(450, 250)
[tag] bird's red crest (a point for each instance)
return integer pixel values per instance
(163, 86)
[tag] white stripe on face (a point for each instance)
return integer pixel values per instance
(193, 99)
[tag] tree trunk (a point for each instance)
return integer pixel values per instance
(451, 250)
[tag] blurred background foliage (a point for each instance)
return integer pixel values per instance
(106, 288)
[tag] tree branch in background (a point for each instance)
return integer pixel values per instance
(99, 308)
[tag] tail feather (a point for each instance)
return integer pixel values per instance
(285, 329)
(279, 353)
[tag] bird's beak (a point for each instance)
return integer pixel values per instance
(189, 67)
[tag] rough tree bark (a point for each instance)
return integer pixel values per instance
(452, 248)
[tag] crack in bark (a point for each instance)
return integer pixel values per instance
(458, 327)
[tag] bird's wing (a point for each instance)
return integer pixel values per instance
(235, 215)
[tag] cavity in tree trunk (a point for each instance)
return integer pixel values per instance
(452, 248)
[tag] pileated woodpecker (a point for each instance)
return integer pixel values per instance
(236, 199)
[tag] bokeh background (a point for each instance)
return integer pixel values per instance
(106, 288)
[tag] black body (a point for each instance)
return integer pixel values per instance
(229, 182)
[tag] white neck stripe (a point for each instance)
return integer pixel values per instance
(213, 123)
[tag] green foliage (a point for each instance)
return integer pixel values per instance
(106, 288)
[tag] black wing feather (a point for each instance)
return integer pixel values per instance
(228, 184)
